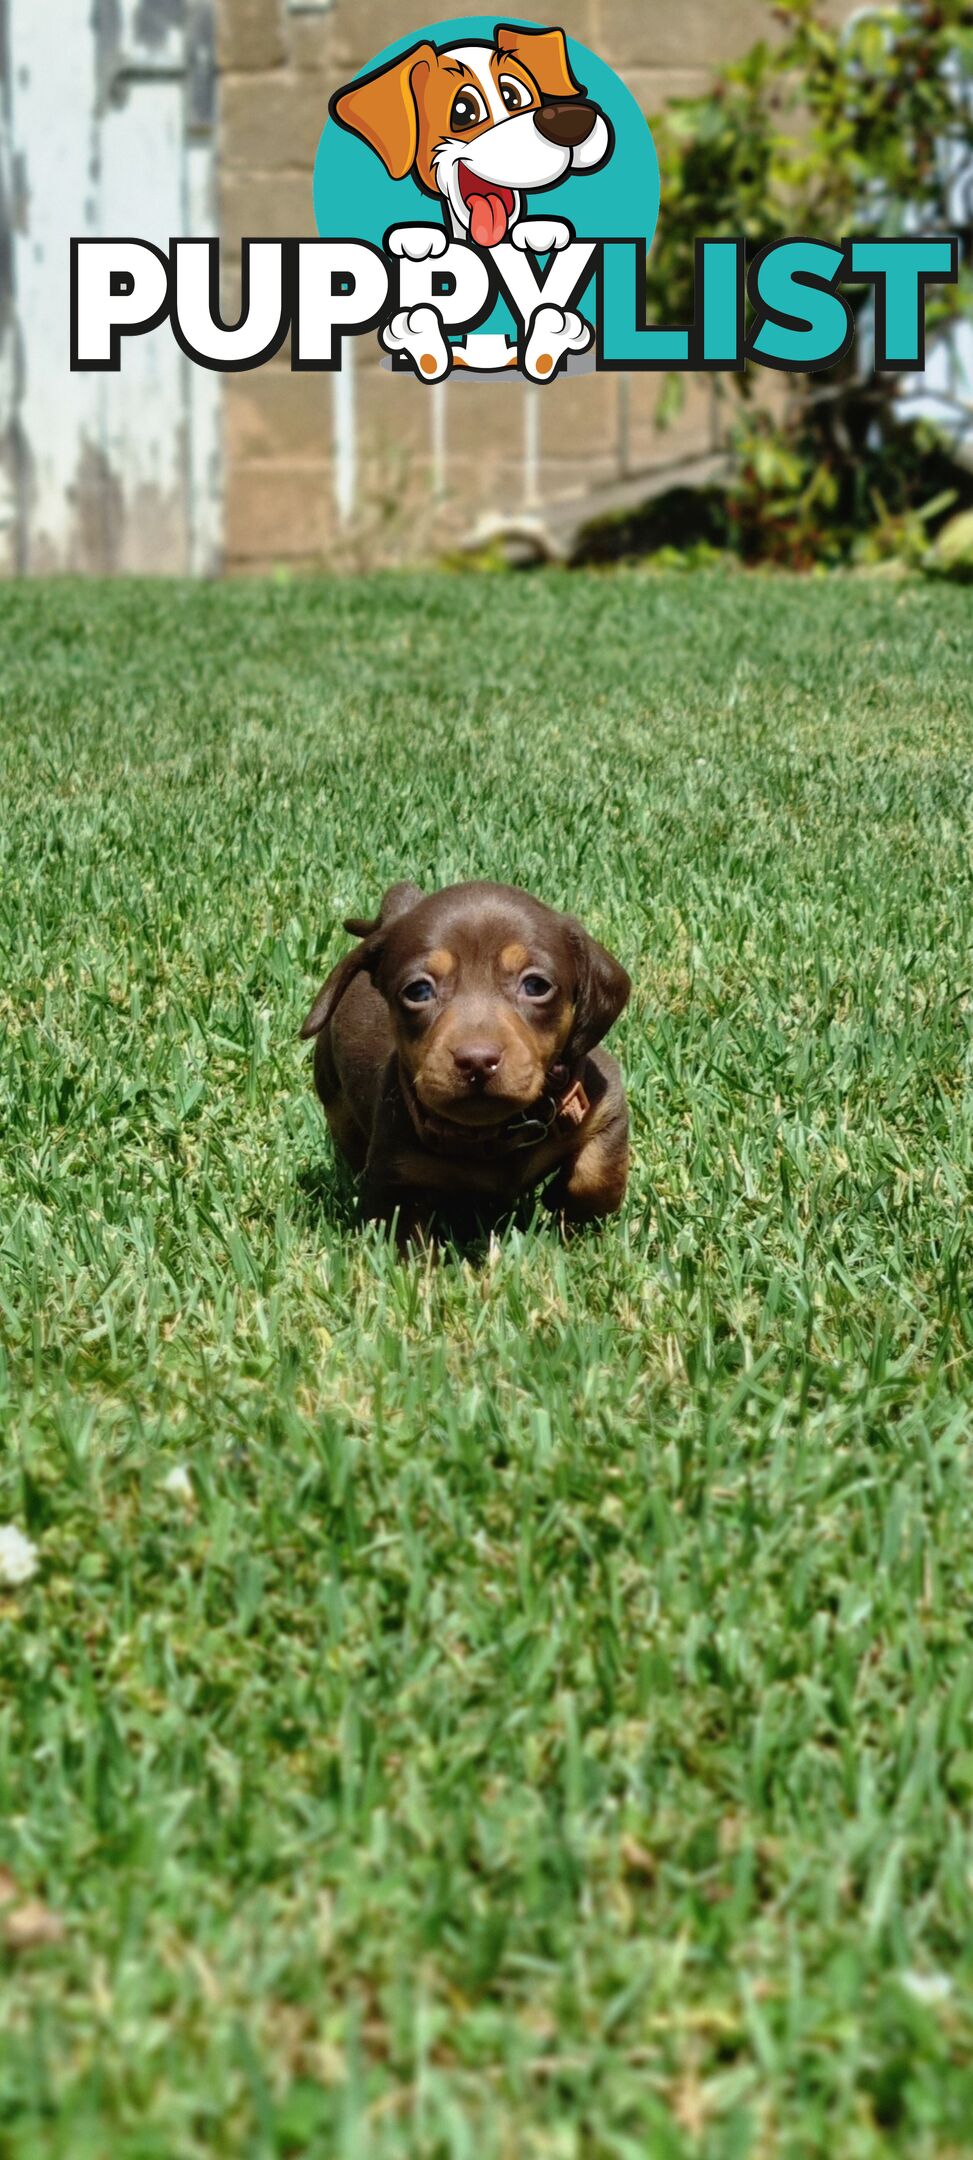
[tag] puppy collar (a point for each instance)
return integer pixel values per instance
(559, 1111)
(553, 1114)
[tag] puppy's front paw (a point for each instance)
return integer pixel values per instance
(418, 332)
(593, 1183)
(554, 333)
(540, 235)
(417, 242)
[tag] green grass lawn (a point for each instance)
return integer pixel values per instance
(545, 1729)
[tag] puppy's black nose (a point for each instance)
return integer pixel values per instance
(477, 1061)
(567, 124)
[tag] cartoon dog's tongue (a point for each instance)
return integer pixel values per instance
(488, 220)
(490, 206)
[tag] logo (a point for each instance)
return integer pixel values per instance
(484, 164)
(485, 195)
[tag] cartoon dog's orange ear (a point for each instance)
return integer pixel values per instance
(382, 108)
(544, 53)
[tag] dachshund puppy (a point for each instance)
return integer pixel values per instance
(456, 1056)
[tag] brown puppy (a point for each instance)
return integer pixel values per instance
(456, 1057)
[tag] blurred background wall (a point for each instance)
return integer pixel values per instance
(108, 125)
(163, 117)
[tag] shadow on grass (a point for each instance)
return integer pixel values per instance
(328, 1192)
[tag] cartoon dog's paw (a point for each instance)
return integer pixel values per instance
(540, 235)
(418, 242)
(418, 332)
(554, 333)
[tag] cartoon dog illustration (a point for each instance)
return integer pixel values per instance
(480, 126)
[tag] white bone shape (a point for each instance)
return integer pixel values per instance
(540, 235)
(554, 332)
(418, 242)
(418, 332)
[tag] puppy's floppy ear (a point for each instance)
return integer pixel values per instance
(602, 989)
(397, 901)
(365, 956)
(382, 108)
(544, 53)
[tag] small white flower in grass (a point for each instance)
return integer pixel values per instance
(179, 1485)
(927, 1987)
(18, 1557)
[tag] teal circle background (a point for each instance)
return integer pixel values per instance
(355, 198)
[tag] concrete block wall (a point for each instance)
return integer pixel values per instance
(410, 470)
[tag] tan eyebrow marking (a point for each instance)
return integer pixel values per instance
(506, 64)
(514, 956)
(441, 962)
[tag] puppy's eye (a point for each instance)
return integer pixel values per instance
(536, 986)
(515, 95)
(469, 108)
(420, 992)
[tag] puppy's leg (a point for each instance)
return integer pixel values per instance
(593, 1182)
(554, 333)
(345, 1129)
(417, 243)
(384, 1201)
(540, 235)
(418, 333)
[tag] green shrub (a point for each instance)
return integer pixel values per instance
(826, 131)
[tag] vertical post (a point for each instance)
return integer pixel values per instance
(204, 389)
(438, 443)
(624, 454)
(344, 435)
(532, 444)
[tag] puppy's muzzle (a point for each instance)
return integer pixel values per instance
(476, 1062)
(568, 124)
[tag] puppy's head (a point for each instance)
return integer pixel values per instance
(487, 989)
(480, 125)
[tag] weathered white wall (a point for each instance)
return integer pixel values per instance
(109, 123)
(8, 345)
